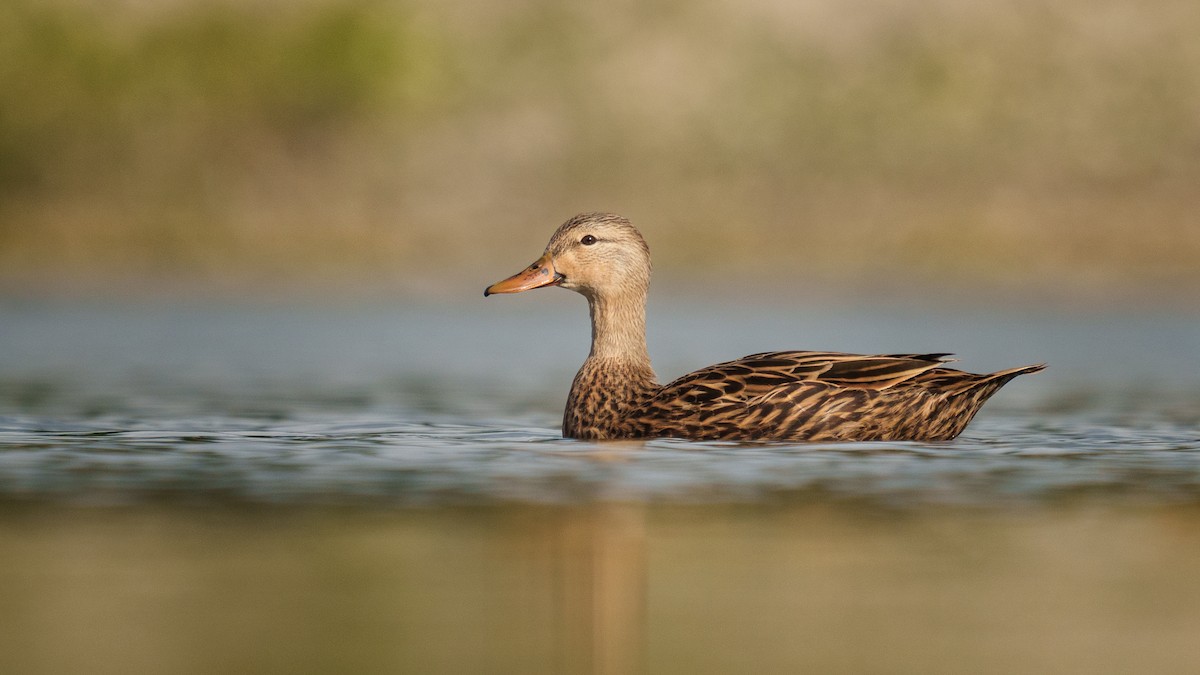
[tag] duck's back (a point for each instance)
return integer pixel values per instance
(819, 396)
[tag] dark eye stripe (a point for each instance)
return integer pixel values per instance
(587, 240)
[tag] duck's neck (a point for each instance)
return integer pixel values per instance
(619, 328)
(616, 378)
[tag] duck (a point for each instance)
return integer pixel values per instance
(768, 396)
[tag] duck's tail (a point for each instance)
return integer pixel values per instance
(982, 389)
(1001, 377)
(963, 405)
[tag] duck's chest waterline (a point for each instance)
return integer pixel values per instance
(604, 397)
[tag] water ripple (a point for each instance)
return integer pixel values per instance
(1001, 460)
(404, 408)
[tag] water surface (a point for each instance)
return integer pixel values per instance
(446, 405)
(195, 489)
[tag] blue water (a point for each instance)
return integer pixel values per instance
(421, 404)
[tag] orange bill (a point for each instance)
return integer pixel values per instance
(540, 273)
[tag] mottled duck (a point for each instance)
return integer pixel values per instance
(783, 396)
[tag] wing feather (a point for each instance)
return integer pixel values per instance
(757, 374)
(821, 395)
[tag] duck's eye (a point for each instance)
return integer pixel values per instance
(587, 240)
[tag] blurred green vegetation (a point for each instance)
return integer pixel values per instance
(323, 143)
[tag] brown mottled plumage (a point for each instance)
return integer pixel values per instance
(792, 396)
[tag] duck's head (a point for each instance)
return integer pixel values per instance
(597, 254)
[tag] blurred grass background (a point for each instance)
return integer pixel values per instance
(432, 146)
